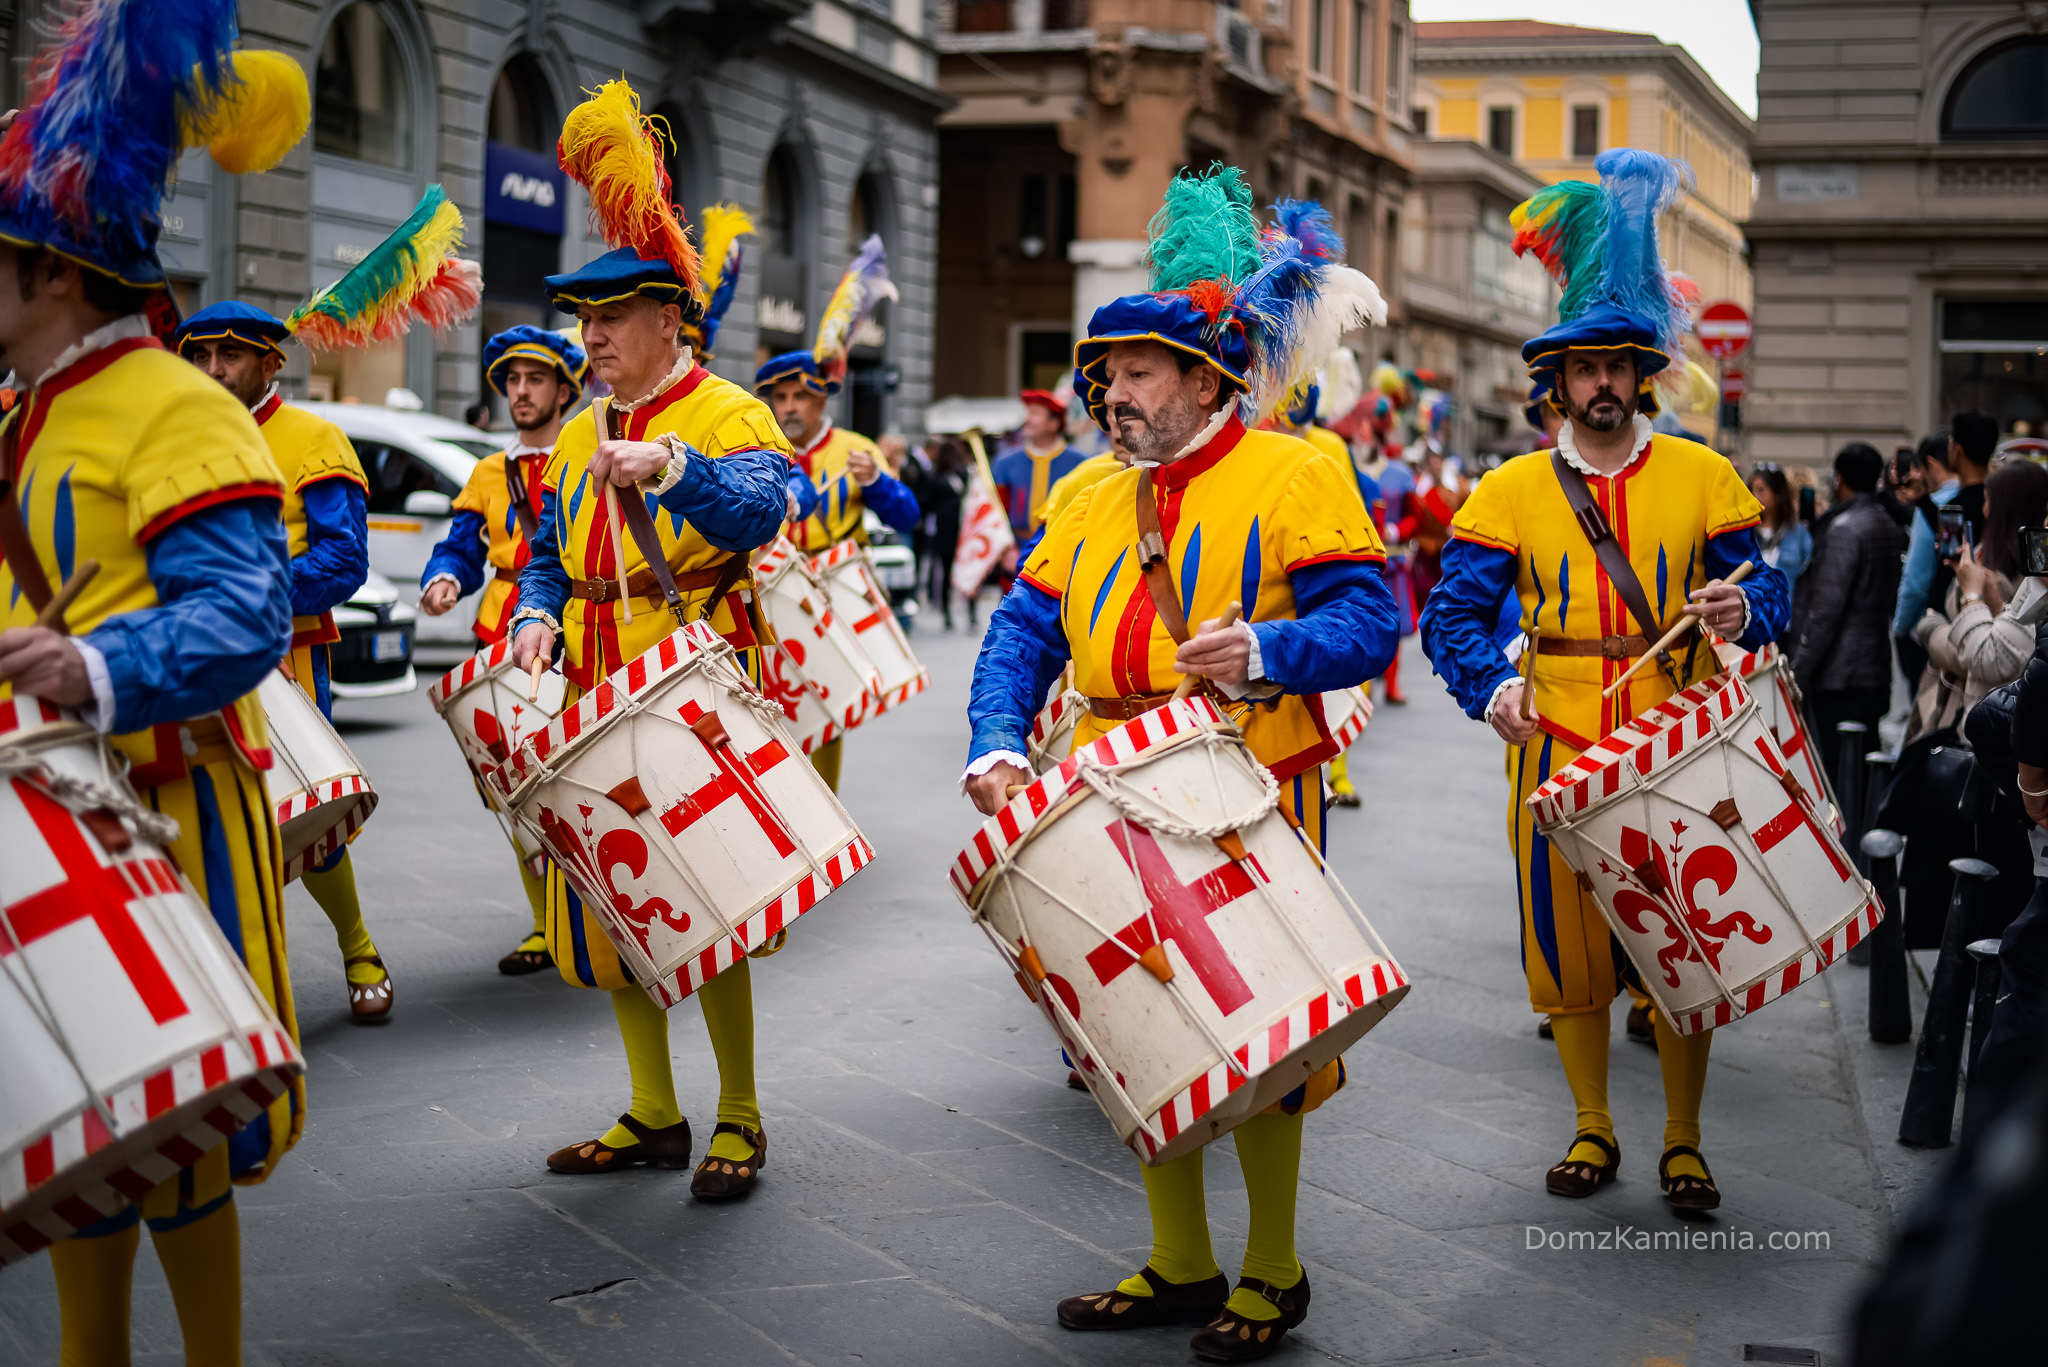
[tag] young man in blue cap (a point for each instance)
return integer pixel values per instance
(326, 521)
(1025, 476)
(539, 374)
(1672, 519)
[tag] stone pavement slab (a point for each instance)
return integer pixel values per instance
(933, 1187)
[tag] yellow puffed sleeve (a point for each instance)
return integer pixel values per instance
(1053, 559)
(488, 474)
(1730, 504)
(745, 423)
(1079, 480)
(195, 443)
(1488, 516)
(1317, 521)
(324, 449)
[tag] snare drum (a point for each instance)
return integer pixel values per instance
(1193, 955)
(674, 800)
(849, 576)
(1708, 856)
(1052, 732)
(817, 671)
(483, 700)
(131, 1038)
(1346, 712)
(318, 788)
(1769, 680)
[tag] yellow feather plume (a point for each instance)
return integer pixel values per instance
(262, 113)
(614, 151)
(721, 225)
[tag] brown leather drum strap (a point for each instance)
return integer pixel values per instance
(641, 524)
(1152, 561)
(529, 525)
(1593, 523)
(15, 546)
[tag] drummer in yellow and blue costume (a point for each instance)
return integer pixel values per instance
(1025, 476)
(1685, 521)
(1256, 518)
(327, 525)
(711, 464)
(539, 374)
(125, 455)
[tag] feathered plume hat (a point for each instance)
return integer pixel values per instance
(1262, 309)
(613, 150)
(124, 89)
(1599, 242)
(723, 225)
(864, 286)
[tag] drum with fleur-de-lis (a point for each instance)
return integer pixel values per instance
(678, 806)
(1192, 953)
(484, 701)
(817, 670)
(1713, 862)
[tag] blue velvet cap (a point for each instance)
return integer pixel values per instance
(800, 365)
(1539, 396)
(1169, 319)
(534, 344)
(1602, 327)
(619, 275)
(1304, 413)
(232, 320)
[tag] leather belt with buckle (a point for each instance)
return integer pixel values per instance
(1605, 647)
(1128, 707)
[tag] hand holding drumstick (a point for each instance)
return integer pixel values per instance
(1718, 605)
(41, 659)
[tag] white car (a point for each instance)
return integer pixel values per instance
(417, 463)
(373, 658)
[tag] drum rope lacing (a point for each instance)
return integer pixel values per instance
(1675, 915)
(85, 795)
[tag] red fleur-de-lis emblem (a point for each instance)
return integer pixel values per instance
(1659, 884)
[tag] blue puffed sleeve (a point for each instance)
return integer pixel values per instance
(1023, 652)
(893, 502)
(804, 492)
(461, 554)
(1770, 598)
(337, 556)
(1459, 624)
(735, 502)
(543, 583)
(1345, 629)
(223, 576)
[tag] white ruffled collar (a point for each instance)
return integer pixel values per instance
(1568, 447)
(684, 364)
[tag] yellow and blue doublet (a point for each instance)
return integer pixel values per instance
(135, 459)
(729, 499)
(326, 525)
(830, 500)
(1683, 517)
(1024, 481)
(486, 536)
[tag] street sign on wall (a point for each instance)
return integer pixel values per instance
(1734, 384)
(1723, 329)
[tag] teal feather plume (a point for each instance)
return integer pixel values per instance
(1204, 231)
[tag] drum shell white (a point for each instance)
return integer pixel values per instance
(849, 576)
(1346, 713)
(1768, 676)
(117, 986)
(314, 781)
(685, 817)
(1052, 731)
(818, 670)
(484, 702)
(1707, 856)
(1281, 1007)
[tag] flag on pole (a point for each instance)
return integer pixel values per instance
(984, 527)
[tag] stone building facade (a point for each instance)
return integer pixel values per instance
(815, 115)
(1900, 237)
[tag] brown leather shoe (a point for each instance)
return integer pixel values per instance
(530, 957)
(667, 1148)
(1232, 1338)
(1169, 1303)
(368, 1002)
(728, 1179)
(1074, 1080)
(1577, 1178)
(1642, 1027)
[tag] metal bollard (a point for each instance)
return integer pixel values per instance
(1877, 779)
(1982, 1005)
(1891, 1006)
(1927, 1119)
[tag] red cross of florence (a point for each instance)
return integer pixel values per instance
(1181, 912)
(738, 777)
(94, 891)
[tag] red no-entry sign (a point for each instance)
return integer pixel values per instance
(1734, 384)
(1723, 329)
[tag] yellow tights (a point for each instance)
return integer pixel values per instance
(825, 759)
(203, 1263)
(728, 1002)
(537, 898)
(335, 891)
(1269, 1154)
(1582, 1047)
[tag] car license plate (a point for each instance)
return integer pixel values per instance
(898, 576)
(387, 645)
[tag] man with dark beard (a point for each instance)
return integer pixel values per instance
(1668, 520)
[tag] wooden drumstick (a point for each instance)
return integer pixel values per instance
(1528, 708)
(611, 503)
(52, 615)
(1014, 789)
(536, 669)
(1690, 620)
(1190, 682)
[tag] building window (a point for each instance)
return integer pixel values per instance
(981, 16)
(2001, 96)
(783, 227)
(1065, 14)
(778, 205)
(1994, 359)
(363, 103)
(1500, 129)
(1361, 48)
(1397, 72)
(1320, 13)
(1418, 119)
(1585, 131)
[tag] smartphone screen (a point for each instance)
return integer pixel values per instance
(2034, 550)
(1949, 540)
(1806, 502)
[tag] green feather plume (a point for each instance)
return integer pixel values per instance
(1204, 231)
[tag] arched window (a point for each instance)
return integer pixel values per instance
(783, 228)
(362, 102)
(778, 204)
(522, 111)
(2001, 96)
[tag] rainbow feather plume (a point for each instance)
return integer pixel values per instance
(262, 113)
(722, 226)
(413, 273)
(1599, 242)
(865, 284)
(88, 156)
(613, 150)
(1565, 227)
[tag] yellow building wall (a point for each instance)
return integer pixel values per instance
(1543, 129)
